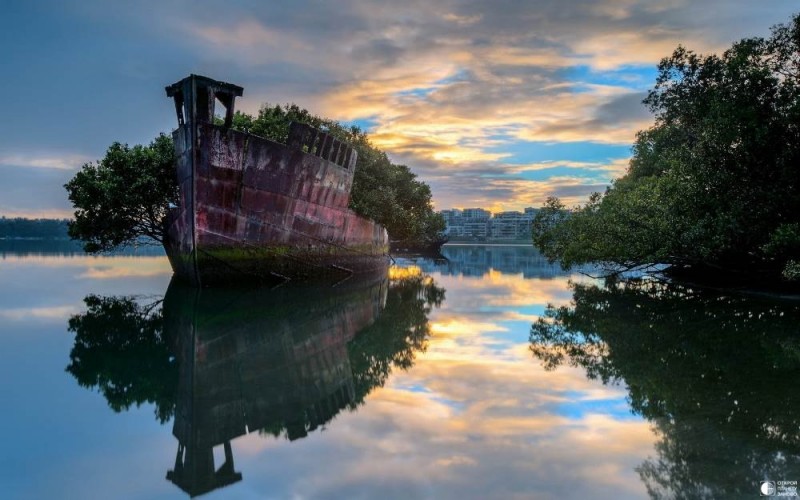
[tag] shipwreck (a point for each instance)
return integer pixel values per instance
(254, 210)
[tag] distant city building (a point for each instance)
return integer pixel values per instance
(452, 219)
(479, 224)
(476, 213)
(476, 223)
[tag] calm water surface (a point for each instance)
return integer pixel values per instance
(444, 379)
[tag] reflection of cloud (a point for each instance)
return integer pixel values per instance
(97, 267)
(509, 407)
(485, 424)
(109, 272)
(517, 316)
(453, 327)
(497, 290)
(487, 420)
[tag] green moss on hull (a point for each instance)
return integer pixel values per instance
(220, 265)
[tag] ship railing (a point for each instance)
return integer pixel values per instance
(322, 144)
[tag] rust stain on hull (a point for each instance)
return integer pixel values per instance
(252, 209)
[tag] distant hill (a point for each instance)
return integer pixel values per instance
(20, 228)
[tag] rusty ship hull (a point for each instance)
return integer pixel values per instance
(255, 210)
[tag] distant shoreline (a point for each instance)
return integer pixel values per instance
(517, 243)
(497, 241)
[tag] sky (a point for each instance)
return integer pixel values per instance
(494, 103)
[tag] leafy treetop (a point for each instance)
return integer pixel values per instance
(714, 183)
(124, 196)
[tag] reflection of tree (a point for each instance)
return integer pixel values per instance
(397, 335)
(714, 374)
(120, 348)
(225, 362)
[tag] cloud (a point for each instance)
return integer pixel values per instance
(35, 213)
(58, 313)
(60, 162)
(614, 166)
(502, 75)
(453, 86)
(34, 191)
(593, 118)
(501, 194)
(462, 20)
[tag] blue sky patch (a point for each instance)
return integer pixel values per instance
(544, 174)
(632, 77)
(365, 124)
(575, 408)
(537, 151)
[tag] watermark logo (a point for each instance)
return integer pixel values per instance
(778, 489)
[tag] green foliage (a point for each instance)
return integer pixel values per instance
(713, 184)
(120, 349)
(124, 196)
(385, 192)
(792, 270)
(714, 374)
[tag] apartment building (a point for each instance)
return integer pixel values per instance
(480, 225)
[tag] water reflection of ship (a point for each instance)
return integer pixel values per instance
(222, 363)
(273, 361)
